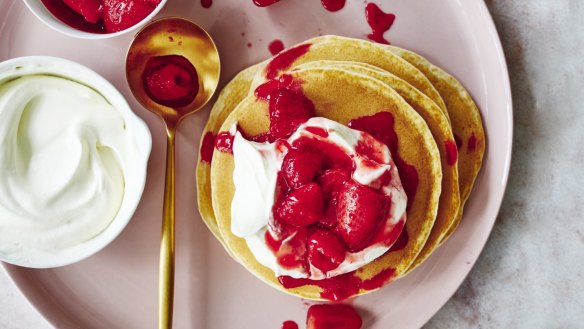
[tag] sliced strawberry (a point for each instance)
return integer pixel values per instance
(330, 182)
(300, 167)
(325, 250)
(91, 10)
(360, 210)
(122, 14)
(301, 207)
(333, 157)
(333, 316)
(288, 110)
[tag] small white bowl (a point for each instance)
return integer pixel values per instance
(39, 10)
(134, 183)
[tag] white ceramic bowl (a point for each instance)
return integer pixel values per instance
(39, 10)
(141, 140)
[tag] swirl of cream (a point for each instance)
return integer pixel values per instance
(63, 150)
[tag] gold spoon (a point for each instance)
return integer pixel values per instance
(164, 37)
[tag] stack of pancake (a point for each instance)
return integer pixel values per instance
(438, 126)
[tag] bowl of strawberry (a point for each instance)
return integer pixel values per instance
(95, 19)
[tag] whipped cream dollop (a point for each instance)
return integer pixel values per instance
(255, 178)
(65, 154)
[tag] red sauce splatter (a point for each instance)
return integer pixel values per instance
(318, 131)
(207, 147)
(402, 240)
(381, 126)
(333, 5)
(224, 142)
(286, 81)
(379, 22)
(170, 80)
(289, 325)
(471, 145)
(285, 59)
(379, 280)
(458, 142)
(340, 287)
(333, 316)
(264, 3)
(206, 3)
(337, 288)
(451, 152)
(276, 46)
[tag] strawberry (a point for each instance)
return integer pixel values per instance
(302, 207)
(330, 182)
(333, 316)
(300, 167)
(122, 14)
(360, 210)
(325, 250)
(288, 111)
(91, 10)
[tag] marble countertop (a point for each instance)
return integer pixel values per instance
(531, 272)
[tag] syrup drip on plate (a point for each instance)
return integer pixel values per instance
(379, 22)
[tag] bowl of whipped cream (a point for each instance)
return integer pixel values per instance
(73, 162)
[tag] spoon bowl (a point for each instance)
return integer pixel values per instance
(173, 69)
(173, 36)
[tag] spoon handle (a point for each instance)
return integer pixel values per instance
(166, 272)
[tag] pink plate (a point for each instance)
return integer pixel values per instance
(117, 288)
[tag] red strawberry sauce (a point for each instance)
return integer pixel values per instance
(471, 144)
(333, 5)
(451, 152)
(276, 46)
(341, 287)
(379, 22)
(224, 142)
(285, 59)
(170, 80)
(101, 16)
(381, 126)
(207, 147)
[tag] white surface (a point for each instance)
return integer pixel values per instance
(530, 274)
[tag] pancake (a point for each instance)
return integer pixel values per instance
(347, 49)
(465, 119)
(228, 99)
(438, 124)
(342, 96)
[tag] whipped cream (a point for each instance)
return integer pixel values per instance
(255, 177)
(65, 154)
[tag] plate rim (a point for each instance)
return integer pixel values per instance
(25, 290)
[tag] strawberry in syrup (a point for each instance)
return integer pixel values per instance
(302, 207)
(300, 167)
(288, 110)
(330, 182)
(91, 10)
(325, 250)
(122, 14)
(360, 210)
